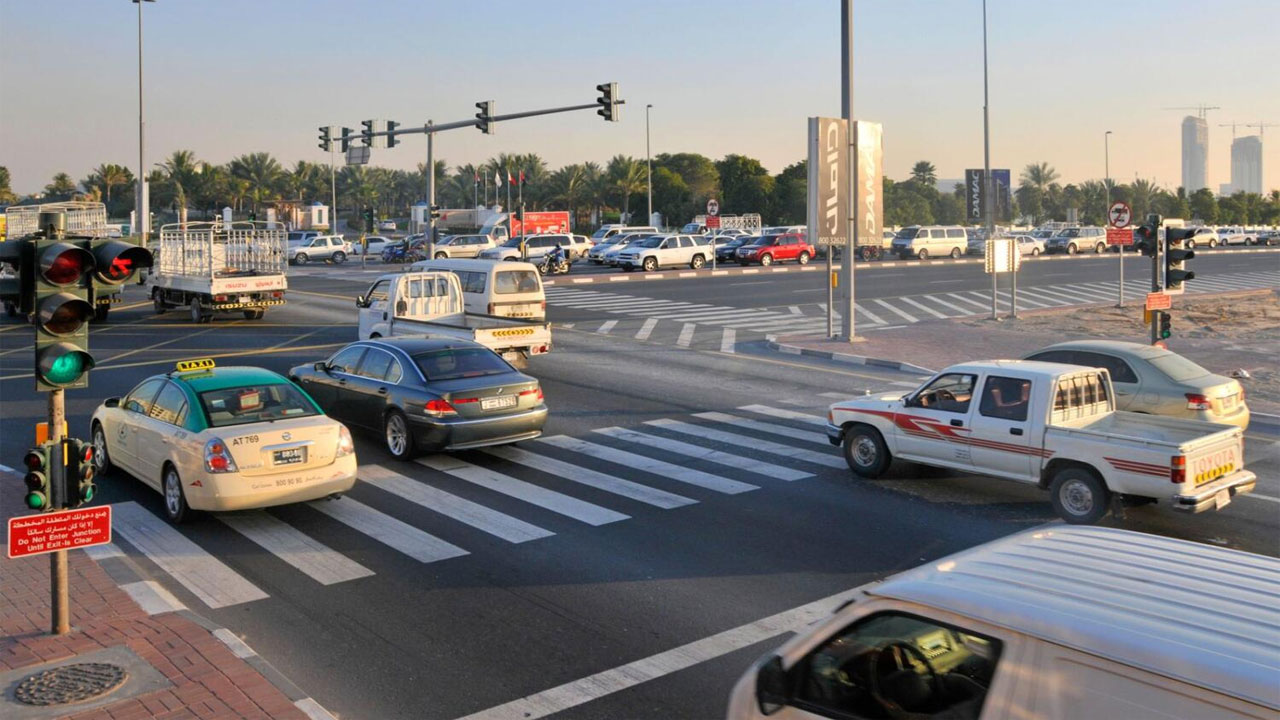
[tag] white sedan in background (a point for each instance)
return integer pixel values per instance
(375, 243)
(1029, 245)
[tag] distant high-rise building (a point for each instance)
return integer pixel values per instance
(1246, 164)
(1195, 153)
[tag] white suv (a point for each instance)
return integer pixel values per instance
(330, 248)
(535, 247)
(463, 246)
(1205, 236)
(666, 251)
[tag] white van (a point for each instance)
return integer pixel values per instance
(930, 241)
(1057, 623)
(607, 231)
(494, 287)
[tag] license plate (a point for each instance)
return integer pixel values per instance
(498, 403)
(1228, 402)
(1222, 499)
(292, 456)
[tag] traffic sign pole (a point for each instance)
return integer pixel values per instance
(1119, 215)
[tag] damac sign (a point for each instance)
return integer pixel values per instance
(870, 181)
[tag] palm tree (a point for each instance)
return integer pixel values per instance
(1144, 193)
(924, 173)
(262, 172)
(303, 179)
(626, 177)
(109, 175)
(62, 187)
(1039, 175)
(180, 173)
(568, 185)
(594, 187)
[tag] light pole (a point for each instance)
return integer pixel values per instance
(847, 303)
(141, 204)
(986, 161)
(648, 161)
(1106, 159)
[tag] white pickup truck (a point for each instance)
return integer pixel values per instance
(219, 267)
(431, 304)
(1050, 424)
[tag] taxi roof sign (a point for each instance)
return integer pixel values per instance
(201, 364)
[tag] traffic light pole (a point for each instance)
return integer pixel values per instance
(431, 191)
(1157, 264)
(59, 601)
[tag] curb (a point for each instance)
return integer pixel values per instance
(847, 358)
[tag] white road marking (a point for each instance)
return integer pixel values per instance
(389, 531)
(591, 478)
(312, 709)
(925, 308)
(650, 465)
(238, 647)
(1256, 496)
(786, 414)
(874, 318)
(102, 552)
(795, 309)
(460, 509)
(728, 339)
(835, 395)
(751, 443)
(528, 492)
(646, 329)
(322, 563)
(606, 326)
(721, 314)
(961, 298)
(944, 303)
(771, 429)
(6, 468)
(593, 687)
(895, 310)
(777, 472)
(152, 597)
(686, 335)
(198, 571)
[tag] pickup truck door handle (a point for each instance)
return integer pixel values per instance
(382, 391)
(1015, 431)
(342, 381)
(384, 316)
(957, 423)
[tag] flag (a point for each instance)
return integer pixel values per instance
(497, 178)
(477, 174)
(521, 177)
(510, 179)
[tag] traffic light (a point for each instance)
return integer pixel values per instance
(38, 463)
(253, 216)
(366, 135)
(62, 273)
(435, 212)
(15, 291)
(116, 261)
(608, 101)
(1176, 255)
(326, 142)
(484, 118)
(346, 139)
(79, 474)
(368, 219)
(1164, 322)
(391, 133)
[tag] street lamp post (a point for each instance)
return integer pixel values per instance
(141, 204)
(986, 163)
(648, 161)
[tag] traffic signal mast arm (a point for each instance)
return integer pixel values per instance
(437, 127)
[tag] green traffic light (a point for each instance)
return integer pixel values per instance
(65, 369)
(36, 500)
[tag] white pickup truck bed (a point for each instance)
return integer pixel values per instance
(1178, 434)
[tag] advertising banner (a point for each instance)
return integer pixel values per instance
(828, 181)
(869, 219)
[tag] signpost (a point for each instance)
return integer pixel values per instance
(828, 200)
(1159, 301)
(1119, 216)
(53, 531)
(1002, 256)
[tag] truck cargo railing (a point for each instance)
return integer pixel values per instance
(83, 218)
(217, 250)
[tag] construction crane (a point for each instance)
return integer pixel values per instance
(1202, 110)
(1232, 125)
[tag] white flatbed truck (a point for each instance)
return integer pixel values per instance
(218, 268)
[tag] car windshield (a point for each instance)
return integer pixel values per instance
(599, 233)
(255, 403)
(763, 240)
(1177, 368)
(512, 243)
(455, 363)
(650, 242)
(907, 233)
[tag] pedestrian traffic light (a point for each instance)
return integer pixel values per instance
(366, 135)
(116, 261)
(39, 469)
(608, 101)
(368, 219)
(435, 212)
(346, 139)
(79, 474)
(253, 216)
(1165, 324)
(1176, 256)
(326, 142)
(391, 133)
(484, 118)
(62, 272)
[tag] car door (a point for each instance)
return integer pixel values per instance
(328, 388)
(123, 448)
(1001, 434)
(155, 431)
(933, 424)
(366, 390)
(377, 306)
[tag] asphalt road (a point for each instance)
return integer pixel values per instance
(736, 516)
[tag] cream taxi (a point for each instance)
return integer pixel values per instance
(231, 438)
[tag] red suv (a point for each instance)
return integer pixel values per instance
(769, 249)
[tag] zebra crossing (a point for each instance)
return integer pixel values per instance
(688, 321)
(512, 495)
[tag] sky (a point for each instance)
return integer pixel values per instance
(228, 77)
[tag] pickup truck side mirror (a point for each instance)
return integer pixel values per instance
(361, 302)
(321, 366)
(771, 686)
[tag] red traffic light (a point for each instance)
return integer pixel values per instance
(63, 263)
(34, 460)
(116, 261)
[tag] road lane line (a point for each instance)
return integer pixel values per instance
(450, 505)
(580, 510)
(728, 338)
(207, 577)
(859, 307)
(1256, 496)
(395, 534)
(925, 308)
(646, 329)
(795, 309)
(944, 303)
(591, 478)
(777, 472)
(606, 327)
(317, 560)
(961, 298)
(894, 310)
(786, 414)
(686, 335)
(650, 465)
(763, 446)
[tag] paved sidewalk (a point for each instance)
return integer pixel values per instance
(179, 664)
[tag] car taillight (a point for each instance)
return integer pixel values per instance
(345, 445)
(831, 417)
(535, 392)
(1195, 401)
(439, 408)
(219, 298)
(277, 294)
(1178, 469)
(217, 459)
(492, 308)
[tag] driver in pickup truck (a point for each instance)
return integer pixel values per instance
(1008, 397)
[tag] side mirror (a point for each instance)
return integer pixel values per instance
(321, 366)
(771, 686)
(360, 301)
(112, 402)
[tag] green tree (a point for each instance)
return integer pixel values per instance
(904, 204)
(567, 187)
(699, 174)
(672, 197)
(627, 176)
(1204, 206)
(263, 175)
(789, 204)
(6, 192)
(745, 185)
(1040, 175)
(1031, 203)
(62, 187)
(924, 173)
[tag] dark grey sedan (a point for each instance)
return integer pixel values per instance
(426, 394)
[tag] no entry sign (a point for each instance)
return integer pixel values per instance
(65, 530)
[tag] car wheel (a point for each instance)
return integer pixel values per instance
(865, 451)
(442, 255)
(804, 258)
(650, 264)
(1099, 248)
(1248, 241)
(697, 262)
(175, 500)
(626, 268)
(254, 314)
(339, 258)
(1213, 244)
(955, 253)
(300, 259)
(101, 459)
(1191, 244)
(1078, 496)
(197, 315)
(766, 260)
(397, 435)
(923, 254)
(1071, 249)
(1035, 252)
(157, 302)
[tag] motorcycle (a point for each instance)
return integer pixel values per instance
(558, 266)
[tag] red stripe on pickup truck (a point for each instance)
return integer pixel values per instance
(1135, 466)
(931, 429)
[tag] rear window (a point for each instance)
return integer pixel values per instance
(457, 363)
(509, 282)
(255, 403)
(1177, 368)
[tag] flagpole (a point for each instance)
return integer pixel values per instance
(475, 190)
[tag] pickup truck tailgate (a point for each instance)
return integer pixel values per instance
(535, 337)
(1218, 456)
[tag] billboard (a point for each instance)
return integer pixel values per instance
(828, 216)
(974, 192)
(869, 219)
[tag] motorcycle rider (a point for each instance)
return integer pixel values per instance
(556, 258)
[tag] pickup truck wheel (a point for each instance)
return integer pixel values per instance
(697, 262)
(1079, 497)
(197, 316)
(650, 264)
(158, 302)
(398, 436)
(804, 258)
(300, 259)
(339, 258)
(865, 451)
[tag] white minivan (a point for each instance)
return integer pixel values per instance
(495, 287)
(1054, 623)
(930, 241)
